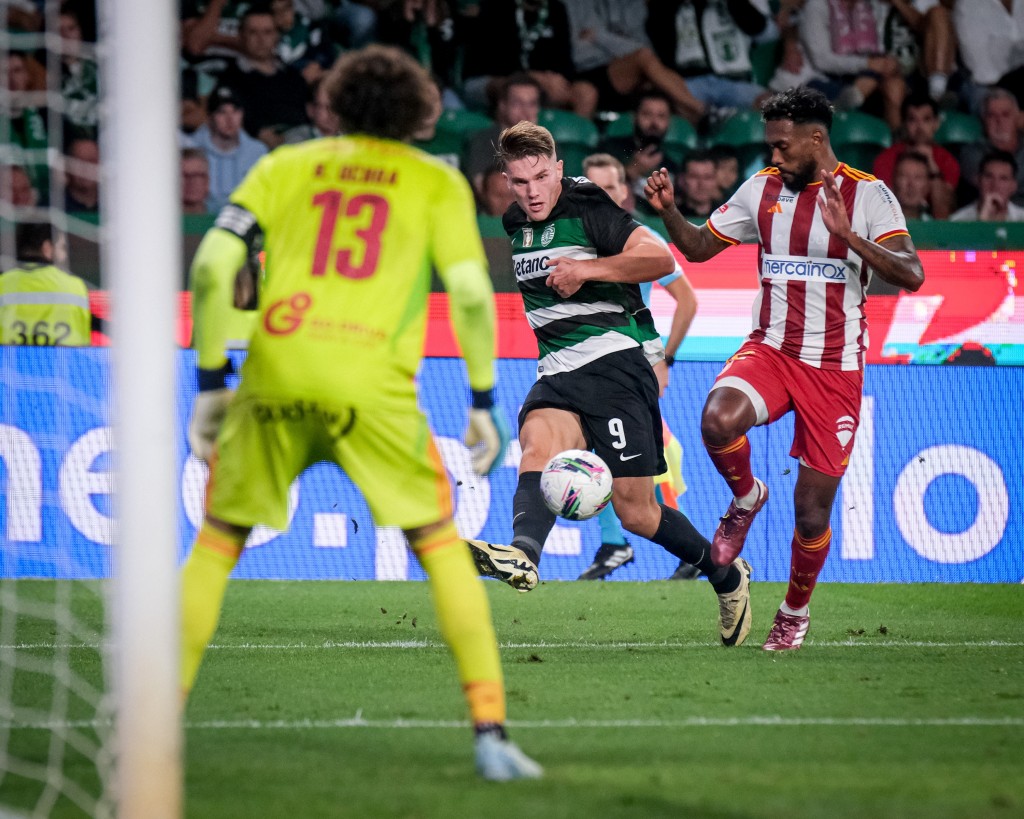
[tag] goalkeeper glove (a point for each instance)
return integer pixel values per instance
(208, 411)
(487, 435)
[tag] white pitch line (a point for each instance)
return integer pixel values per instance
(402, 644)
(754, 721)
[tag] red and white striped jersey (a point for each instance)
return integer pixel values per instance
(813, 286)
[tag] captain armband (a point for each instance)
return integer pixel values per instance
(236, 219)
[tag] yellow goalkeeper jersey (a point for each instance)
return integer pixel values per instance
(352, 226)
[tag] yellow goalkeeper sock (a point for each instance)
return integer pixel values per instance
(464, 616)
(203, 582)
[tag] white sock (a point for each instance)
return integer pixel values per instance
(751, 498)
(800, 612)
(937, 85)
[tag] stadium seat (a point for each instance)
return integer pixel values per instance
(957, 129)
(569, 128)
(462, 123)
(858, 138)
(446, 145)
(744, 132)
(764, 59)
(681, 135)
(572, 157)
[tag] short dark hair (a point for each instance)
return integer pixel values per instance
(653, 94)
(696, 155)
(910, 156)
(380, 91)
(799, 105)
(519, 78)
(29, 238)
(918, 101)
(722, 151)
(996, 155)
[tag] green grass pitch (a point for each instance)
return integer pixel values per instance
(323, 699)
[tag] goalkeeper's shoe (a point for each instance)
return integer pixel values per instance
(608, 558)
(500, 760)
(734, 608)
(506, 563)
(787, 632)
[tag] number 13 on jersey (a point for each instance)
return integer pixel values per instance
(358, 261)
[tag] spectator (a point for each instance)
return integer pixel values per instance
(303, 44)
(447, 149)
(79, 75)
(16, 187)
(997, 185)
(350, 22)
(841, 39)
(920, 116)
(727, 169)
(40, 304)
(272, 93)
(642, 152)
(427, 30)
(708, 43)
(82, 176)
(209, 35)
(990, 36)
(531, 36)
(195, 181)
(323, 122)
(794, 69)
(1000, 118)
(519, 98)
(496, 195)
(919, 33)
(192, 112)
(699, 193)
(229, 150)
(611, 50)
(28, 134)
(911, 184)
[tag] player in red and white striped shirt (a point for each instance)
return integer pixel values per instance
(823, 229)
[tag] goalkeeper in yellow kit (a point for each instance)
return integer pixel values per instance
(351, 226)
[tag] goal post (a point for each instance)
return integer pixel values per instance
(142, 259)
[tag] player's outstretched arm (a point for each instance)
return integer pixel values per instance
(216, 262)
(471, 300)
(697, 244)
(896, 262)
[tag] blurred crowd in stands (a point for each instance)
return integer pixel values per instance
(928, 93)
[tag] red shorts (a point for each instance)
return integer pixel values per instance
(826, 403)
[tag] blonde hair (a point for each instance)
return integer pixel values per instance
(604, 161)
(522, 140)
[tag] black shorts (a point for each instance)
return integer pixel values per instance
(616, 399)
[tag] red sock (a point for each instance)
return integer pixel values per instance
(733, 463)
(808, 558)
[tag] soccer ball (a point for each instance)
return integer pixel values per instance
(576, 484)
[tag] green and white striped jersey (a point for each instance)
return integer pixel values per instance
(599, 318)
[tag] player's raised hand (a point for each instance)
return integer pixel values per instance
(207, 416)
(566, 275)
(832, 207)
(659, 190)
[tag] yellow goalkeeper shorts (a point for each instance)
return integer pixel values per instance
(265, 444)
